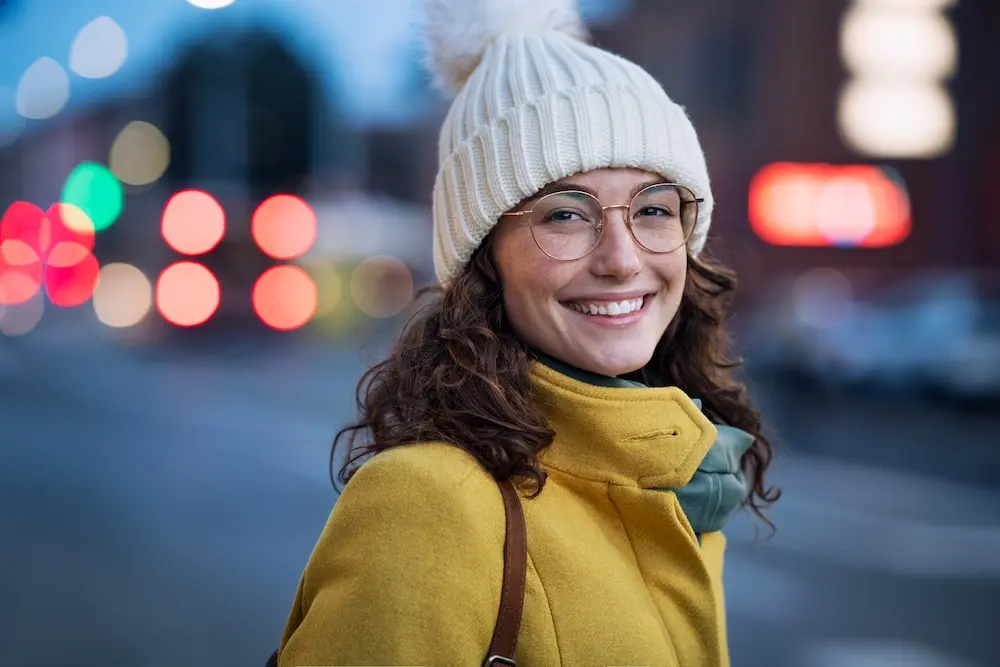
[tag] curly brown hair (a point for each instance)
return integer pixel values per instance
(458, 373)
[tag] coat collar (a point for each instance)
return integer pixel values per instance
(650, 437)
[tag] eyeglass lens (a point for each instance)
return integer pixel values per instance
(568, 225)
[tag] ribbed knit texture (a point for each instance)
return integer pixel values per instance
(539, 108)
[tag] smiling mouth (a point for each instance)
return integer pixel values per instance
(610, 309)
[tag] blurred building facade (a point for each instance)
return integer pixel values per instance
(245, 119)
(761, 83)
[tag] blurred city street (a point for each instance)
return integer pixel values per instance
(213, 214)
(157, 508)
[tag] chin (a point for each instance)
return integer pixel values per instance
(617, 364)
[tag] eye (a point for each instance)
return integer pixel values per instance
(653, 211)
(563, 215)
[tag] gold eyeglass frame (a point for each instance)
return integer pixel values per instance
(628, 222)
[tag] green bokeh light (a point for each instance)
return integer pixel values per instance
(94, 189)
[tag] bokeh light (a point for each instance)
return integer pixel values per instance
(43, 89)
(76, 221)
(211, 4)
(50, 248)
(329, 285)
(284, 226)
(140, 154)
(92, 188)
(70, 274)
(123, 297)
(821, 205)
(99, 49)
(821, 297)
(844, 211)
(898, 43)
(193, 222)
(382, 286)
(902, 120)
(922, 5)
(41, 230)
(285, 297)
(187, 294)
(20, 272)
(899, 56)
(19, 319)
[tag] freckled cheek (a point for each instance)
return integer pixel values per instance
(532, 289)
(530, 295)
(676, 278)
(672, 269)
(530, 279)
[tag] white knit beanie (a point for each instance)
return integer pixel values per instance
(534, 104)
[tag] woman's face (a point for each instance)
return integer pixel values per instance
(544, 297)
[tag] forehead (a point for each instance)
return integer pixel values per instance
(607, 181)
(607, 184)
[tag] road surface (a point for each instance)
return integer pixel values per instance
(157, 507)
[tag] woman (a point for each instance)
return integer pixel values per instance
(576, 347)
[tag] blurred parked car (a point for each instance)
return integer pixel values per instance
(936, 334)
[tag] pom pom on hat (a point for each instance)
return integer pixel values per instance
(458, 32)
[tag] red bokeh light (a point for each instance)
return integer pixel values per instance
(42, 230)
(284, 226)
(285, 297)
(187, 294)
(193, 222)
(828, 205)
(70, 274)
(20, 272)
(50, 248)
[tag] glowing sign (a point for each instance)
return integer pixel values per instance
(828, 205)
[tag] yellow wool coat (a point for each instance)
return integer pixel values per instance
(408, 569)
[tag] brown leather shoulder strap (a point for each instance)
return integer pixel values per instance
(515, 571)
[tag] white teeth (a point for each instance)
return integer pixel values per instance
(611, 309)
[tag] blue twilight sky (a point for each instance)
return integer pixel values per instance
(364, 50)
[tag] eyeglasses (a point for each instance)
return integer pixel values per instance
(568, 224)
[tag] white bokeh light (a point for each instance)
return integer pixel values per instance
(43, 90)
(931, 5)
(897, 119)
(140, 154)
(211, 4)
(382, 286)
(898, 44)
(123, 297)
(99, 49)
(899, 55)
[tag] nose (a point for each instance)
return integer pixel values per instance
(616, 255)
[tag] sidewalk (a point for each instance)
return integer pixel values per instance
(934, 439)
(881, 520)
